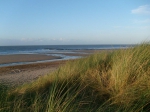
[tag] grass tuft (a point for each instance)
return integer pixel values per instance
(103, 82)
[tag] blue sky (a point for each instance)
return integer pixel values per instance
(59, 22)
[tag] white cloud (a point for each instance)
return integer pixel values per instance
(142, 21)
(23, 39)
(26, 39)
(53, 39)
(61, 39)
(144, 9)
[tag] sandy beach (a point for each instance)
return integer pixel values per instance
(20, 74)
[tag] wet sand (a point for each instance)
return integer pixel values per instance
(20, 74)
(5, 59)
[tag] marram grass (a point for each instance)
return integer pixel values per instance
(104, 82)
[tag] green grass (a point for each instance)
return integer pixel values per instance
(104, 82)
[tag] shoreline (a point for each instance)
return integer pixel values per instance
(19, 74)
(19, 68)
(16, 58)
(23, 59)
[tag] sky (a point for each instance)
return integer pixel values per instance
(73, 22)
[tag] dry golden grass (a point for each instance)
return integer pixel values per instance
(116, 81)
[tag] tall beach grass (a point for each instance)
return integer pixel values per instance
(103, 82)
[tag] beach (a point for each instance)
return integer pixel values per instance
(39, 65)
(5, 59)
(19, 74)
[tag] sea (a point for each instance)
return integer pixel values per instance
(54, 50)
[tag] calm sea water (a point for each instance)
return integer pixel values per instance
(7, 50)
(54, 50)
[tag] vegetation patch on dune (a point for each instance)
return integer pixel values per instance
(103, 82)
